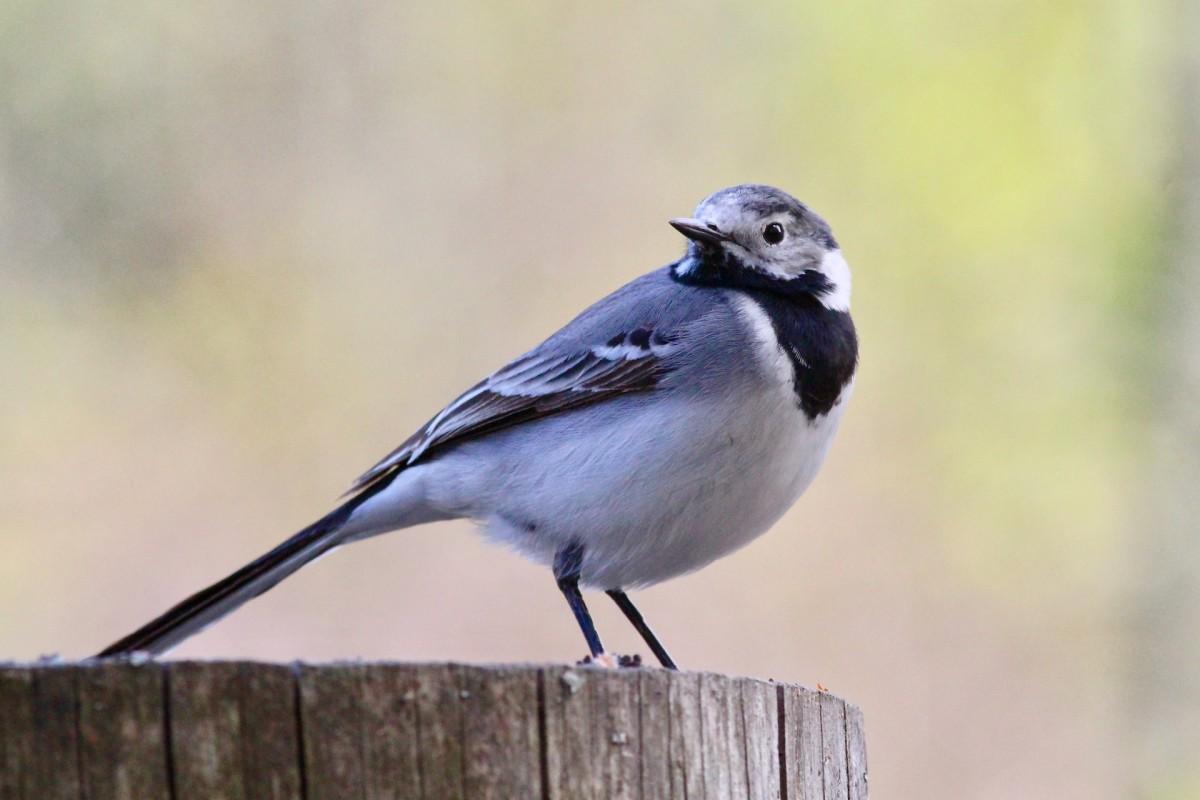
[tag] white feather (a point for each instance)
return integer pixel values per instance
(838, 272)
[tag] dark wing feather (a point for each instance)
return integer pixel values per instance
(533, 386)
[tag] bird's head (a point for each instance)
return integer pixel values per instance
(758, 237)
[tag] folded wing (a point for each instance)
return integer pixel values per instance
(536, 385)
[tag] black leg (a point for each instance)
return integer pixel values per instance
(633, 615)
(567, 563)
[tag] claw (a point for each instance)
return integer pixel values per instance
(612, 661)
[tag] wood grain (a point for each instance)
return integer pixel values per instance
(378, 731)
(233, 731)
(122, 732)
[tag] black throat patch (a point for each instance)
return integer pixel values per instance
(820, 343)
(708, 266)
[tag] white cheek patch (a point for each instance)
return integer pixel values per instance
(749, 259)
(835, 268)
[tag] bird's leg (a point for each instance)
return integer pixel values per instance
(634, 616)
(567, 563)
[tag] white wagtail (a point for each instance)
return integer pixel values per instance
(664, 427)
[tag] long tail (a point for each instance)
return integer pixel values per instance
(223, 597)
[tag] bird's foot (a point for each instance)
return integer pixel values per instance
(612, 661)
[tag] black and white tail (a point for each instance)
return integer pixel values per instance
(225, 596)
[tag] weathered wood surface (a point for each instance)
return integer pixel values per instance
(245, 731)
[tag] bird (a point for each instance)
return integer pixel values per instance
(667, 425)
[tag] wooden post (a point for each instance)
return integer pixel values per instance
(251, 731)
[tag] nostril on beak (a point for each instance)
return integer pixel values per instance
(712, 227)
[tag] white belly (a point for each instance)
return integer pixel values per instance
(652, 486)
(738, 486)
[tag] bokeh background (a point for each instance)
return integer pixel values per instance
(245, 249)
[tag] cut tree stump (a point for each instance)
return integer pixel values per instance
(181, 730)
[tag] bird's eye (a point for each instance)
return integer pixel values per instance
(773, 233)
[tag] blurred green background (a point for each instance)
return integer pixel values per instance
(245, 249)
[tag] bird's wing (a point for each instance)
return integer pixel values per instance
(536, 385)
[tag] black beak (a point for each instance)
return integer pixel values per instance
(699, 231)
